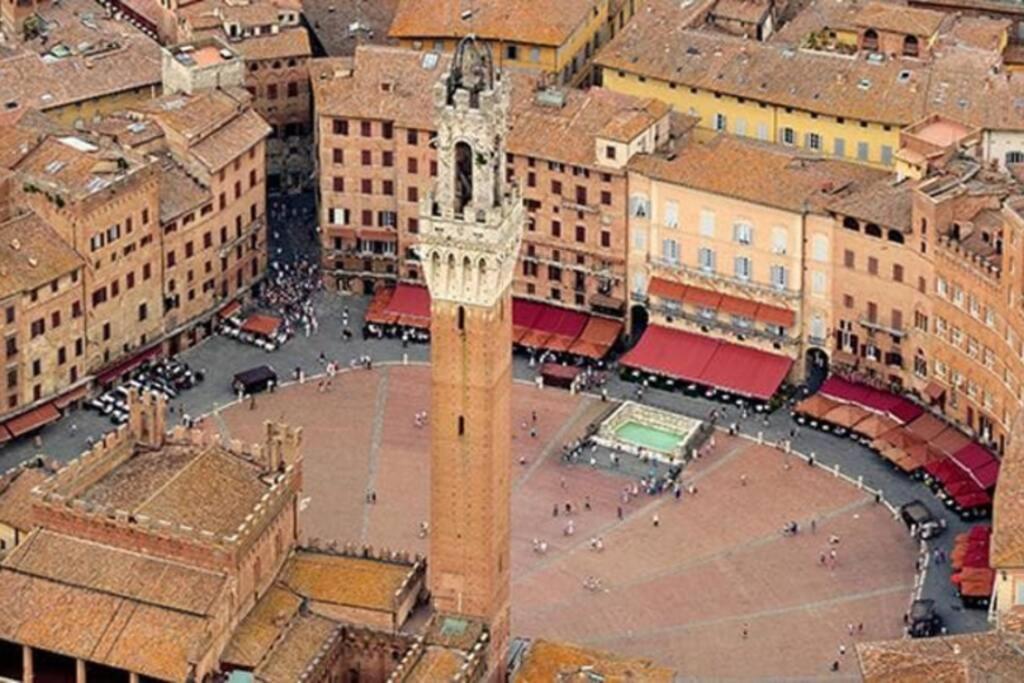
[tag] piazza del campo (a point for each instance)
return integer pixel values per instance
(374, 341)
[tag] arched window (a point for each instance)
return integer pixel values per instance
(851, 224)
(911, 47)
(462, 319)
(872, 230)
(463, 176)
(870, 42)
(895, 236)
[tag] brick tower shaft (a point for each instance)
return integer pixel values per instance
(472, 226)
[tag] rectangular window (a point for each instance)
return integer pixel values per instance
(872, 265)
(839, 148)
(862, 151)
(741, 127)
(887, 155)
(670, 251)
(779, 277)
(788, 136)
(897, 272)
(38, 328)
(762, 131)
(366, 129)
(581, 233)
(387, 159)
(338, 184)
(606, 238)
(340, 127)
(706, 259)
(720, 122)
(848, 259)
(556, 187)
(412, 194)
(411, 137)
(743, 233)
(556, 228)
(813, 142)
(742, 267)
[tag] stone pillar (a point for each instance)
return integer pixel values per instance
(133, 677)
(27, 673)
(79, 671)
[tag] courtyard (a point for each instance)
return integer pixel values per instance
(683, 592)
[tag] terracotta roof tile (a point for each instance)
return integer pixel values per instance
(435, 664)
(524, 21)
(960, 83)
(748, 11)
(882, 202)
(261, 627)
(994, 656)
(384, 83)
(298, 650)
(333, 22)
(77, 622)
(548, 661)
(894, 18)
(105, 57)
(342, 580)
(93, 566)
(179, 192)
(289, 42)
(32, 254)
(569, 133)
(771, 175)
(244, 132)
(16, 494)
(77, 166)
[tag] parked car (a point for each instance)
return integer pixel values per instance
(924, 621)
(920, 520)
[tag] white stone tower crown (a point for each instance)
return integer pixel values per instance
(471, 225)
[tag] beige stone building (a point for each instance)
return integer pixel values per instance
(730, 238)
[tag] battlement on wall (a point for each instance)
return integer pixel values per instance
(61, 503)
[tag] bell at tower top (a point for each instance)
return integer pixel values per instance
(472, 71)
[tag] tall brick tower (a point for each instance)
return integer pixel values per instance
(471, 229)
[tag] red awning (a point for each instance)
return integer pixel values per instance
(127, 365)
(734, 305)
(597, 338)
(773, 315)
(257, 323)
(981, 465)
(524, 315)
(841, 389)
(570, 326)
(702, 298)
(676, 353)
(33, 419)
(230, 309)
(666, 289)
(950, 440)
(67, 399)
(746, 371)
(377, 312)
(926, 427)
(410, 304)
(5, 435)
(877, 400)
(712, 362)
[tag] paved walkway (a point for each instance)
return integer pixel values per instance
(680, 592)
(221, 358)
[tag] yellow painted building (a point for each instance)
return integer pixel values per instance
(834, 104)
(560, 42)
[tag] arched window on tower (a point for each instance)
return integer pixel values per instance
(462, 319)
(463, 176)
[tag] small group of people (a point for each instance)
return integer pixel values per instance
(419, 420)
